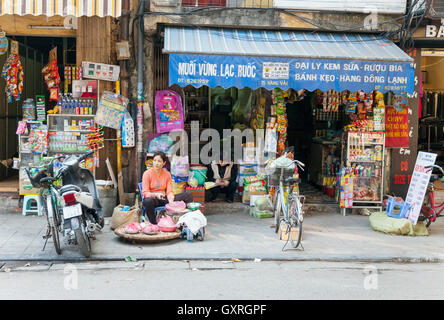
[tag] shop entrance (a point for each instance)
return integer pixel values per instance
(431, 125)
(34, 55)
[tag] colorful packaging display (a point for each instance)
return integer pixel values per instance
(346, 189)
(38, 138)
(169, 111)
(128, 134)
(40, 106)
(51, 75)
(111, 110)
(14, 75)
(3, 43)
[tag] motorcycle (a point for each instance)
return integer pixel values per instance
(81, 212)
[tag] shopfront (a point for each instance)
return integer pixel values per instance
(52, 111)
(324, 95)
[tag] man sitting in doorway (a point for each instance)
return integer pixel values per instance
(224, 175)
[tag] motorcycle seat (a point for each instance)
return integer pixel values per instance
(68, 188)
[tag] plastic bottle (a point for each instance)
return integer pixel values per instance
(91, 106)
(59, 104)
(78, 107)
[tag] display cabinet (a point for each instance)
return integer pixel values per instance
(67, 133)
(28, 159)
(363, 154)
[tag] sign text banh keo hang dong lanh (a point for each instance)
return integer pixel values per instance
(285, 73)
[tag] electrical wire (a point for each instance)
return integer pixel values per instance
(293, 38)
(433, 64)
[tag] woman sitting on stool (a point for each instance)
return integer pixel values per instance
(224, 174)
(157, 187)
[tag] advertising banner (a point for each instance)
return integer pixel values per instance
(169, 112)
(284, 73)
(396, 128)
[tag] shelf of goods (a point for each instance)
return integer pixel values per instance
(68, 133)
(364, 155)
(28, 159)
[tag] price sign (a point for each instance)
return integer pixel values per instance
(418, 184)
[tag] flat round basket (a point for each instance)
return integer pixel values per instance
(141, 237)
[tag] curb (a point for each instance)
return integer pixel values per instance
(363, 259)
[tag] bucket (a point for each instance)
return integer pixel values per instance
(200, 174)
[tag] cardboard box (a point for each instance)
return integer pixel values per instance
(283, 234)
(246, 195)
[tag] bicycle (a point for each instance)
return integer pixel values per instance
(288, 209)
(429, 210)
(49, 196)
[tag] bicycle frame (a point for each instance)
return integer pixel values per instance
(428, 211)
(281, 201)
(54, 194)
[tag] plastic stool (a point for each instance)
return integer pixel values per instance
(157, 210)
(28, 208)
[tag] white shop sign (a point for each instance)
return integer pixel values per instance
(433, 31)
(418, 184)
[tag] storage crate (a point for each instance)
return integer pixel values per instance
(198, 195)
(397, 209)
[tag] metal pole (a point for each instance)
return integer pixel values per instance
(140, 91)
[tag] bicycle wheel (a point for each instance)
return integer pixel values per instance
(295, 223)
(278, 213)
(427, 211)
(52, 220)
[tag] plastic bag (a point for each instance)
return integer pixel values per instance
(192, 182)
(180, 166)
(162, 143)
(128, 135)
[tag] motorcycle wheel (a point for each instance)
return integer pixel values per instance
(83, 239)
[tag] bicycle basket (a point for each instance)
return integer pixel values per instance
(274, 176)
(36, 177)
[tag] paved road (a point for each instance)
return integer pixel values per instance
(216, 280)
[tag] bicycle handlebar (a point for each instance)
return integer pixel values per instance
(436, 167)
(86, 155)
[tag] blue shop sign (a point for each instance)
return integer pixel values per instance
(284, 73)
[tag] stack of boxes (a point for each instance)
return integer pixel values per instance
(198, 195)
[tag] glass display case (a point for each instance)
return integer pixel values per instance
(67, 133)
(363, 153)
(28, 159)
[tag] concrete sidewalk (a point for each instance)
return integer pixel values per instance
(232, 233)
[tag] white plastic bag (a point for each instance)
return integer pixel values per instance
(180, 166)
(128, 136)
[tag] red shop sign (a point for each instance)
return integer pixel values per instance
(396, 128)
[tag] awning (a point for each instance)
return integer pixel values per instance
(78, 8)
(286, 59)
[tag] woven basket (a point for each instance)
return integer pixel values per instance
(275, 176)
(141, 237)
